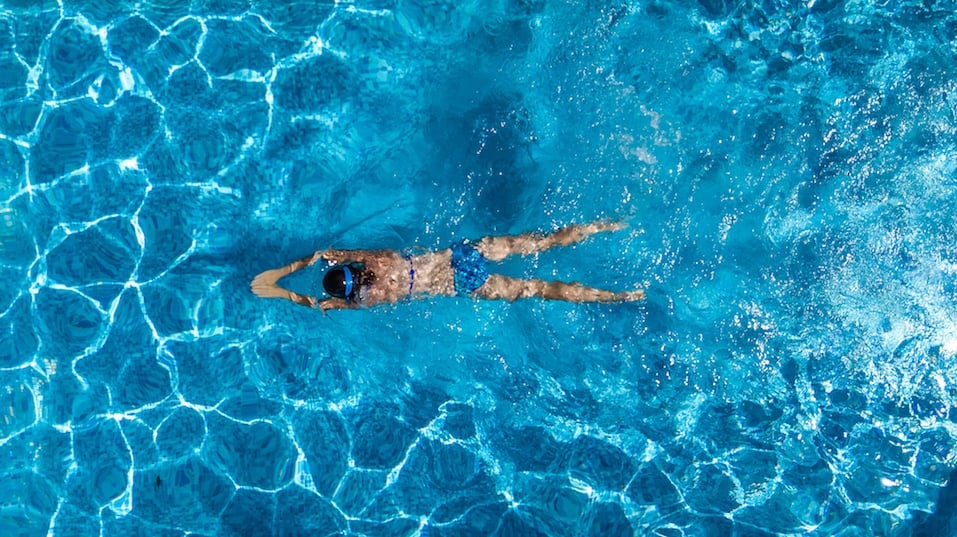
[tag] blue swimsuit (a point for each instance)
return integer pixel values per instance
(469, 267)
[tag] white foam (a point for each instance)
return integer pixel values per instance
(131, 163)
(127, 82)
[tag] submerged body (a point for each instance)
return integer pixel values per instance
(370, 277)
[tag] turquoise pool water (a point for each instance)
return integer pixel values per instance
(787, 170)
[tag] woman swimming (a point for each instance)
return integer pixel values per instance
(368, 277)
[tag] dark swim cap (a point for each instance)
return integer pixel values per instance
(338, 282)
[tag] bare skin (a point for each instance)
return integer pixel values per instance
(434, 274)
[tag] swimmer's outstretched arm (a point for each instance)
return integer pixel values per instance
(274, 291)
(263, 288)
(270, 277)
(264, 284)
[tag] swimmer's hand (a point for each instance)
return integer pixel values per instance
(264, 286)
(263, 289)
(268, 278)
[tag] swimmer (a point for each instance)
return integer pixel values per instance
(368, 277)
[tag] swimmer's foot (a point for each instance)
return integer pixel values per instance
(632, 296)
(606, 225)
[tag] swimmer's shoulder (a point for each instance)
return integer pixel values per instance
(367, 257)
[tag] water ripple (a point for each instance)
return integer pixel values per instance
(787, 171)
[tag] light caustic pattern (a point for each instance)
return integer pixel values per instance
(789, 172)
(123, 136)
(130, 137)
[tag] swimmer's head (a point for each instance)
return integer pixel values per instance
(339, 282)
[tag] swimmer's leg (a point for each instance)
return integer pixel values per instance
(504, 287)
(498, 248)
